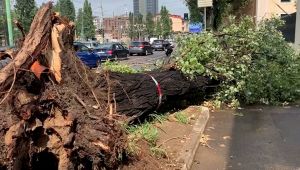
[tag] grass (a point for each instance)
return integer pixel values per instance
(148, 132)
(158, 152)
(145, 131)
(181, 118)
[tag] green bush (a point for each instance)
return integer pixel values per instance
(259, 66)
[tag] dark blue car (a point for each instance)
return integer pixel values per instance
(87, 56)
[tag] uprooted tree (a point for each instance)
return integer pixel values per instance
(56, 114)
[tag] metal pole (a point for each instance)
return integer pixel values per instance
(204, 18)
(297, 32)
(9, 23)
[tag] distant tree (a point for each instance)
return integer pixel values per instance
(79, 21)
(131, 30)
(2, 24)
(138, 19)
(158, 29)
(88, 24)
(221, 9)
(166, 22)
(150, 25)
(25, 11)
(195, 13)
(66, 8)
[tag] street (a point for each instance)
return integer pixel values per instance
(252, 138)
(145, 62)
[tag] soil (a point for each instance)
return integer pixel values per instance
(172, 138)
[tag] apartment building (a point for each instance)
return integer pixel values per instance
(178, 23)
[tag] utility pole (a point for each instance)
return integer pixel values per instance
(9, 23)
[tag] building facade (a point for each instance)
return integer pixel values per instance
(284, 9)
(265, 9)
(115, 28)
(179, 25)
(145, 6)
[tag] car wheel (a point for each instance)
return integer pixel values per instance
(131, 54)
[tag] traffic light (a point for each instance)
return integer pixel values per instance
(186, 16)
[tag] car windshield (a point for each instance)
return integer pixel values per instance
(135, 43)
(157, 42)
(91, 44)
(105, 46)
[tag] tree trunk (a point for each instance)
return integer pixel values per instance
(136, 95)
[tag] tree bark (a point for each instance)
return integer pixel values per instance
(136, 95)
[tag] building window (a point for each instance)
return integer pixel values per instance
(285, 0)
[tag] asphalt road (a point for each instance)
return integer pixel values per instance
(256, 138)
(146, 62)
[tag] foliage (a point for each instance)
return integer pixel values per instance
(66, 8)
(2, 22)
(181, 118)
(25, 11)
(79, 21)
(137, 27)
(88, 24)
(195, 14)
(131, 31)
(117, 67)
(146, 131)
(221, 9)
(166, 22)
(256, 64)
(149, 25)
(158, 28)
(158, 152)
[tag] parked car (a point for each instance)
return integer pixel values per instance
(158, 45)
(112, 51)
(94, 45)
(140, 47)
(86, 55)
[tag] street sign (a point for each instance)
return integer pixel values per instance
(195, 27)
(205, 3)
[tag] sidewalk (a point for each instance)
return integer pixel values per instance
(253, 138)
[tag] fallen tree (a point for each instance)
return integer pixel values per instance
(57, 114)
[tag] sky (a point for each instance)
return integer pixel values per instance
(119, 7)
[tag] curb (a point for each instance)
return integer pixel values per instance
(192, 145)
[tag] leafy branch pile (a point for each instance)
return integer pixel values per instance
(256, 62)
